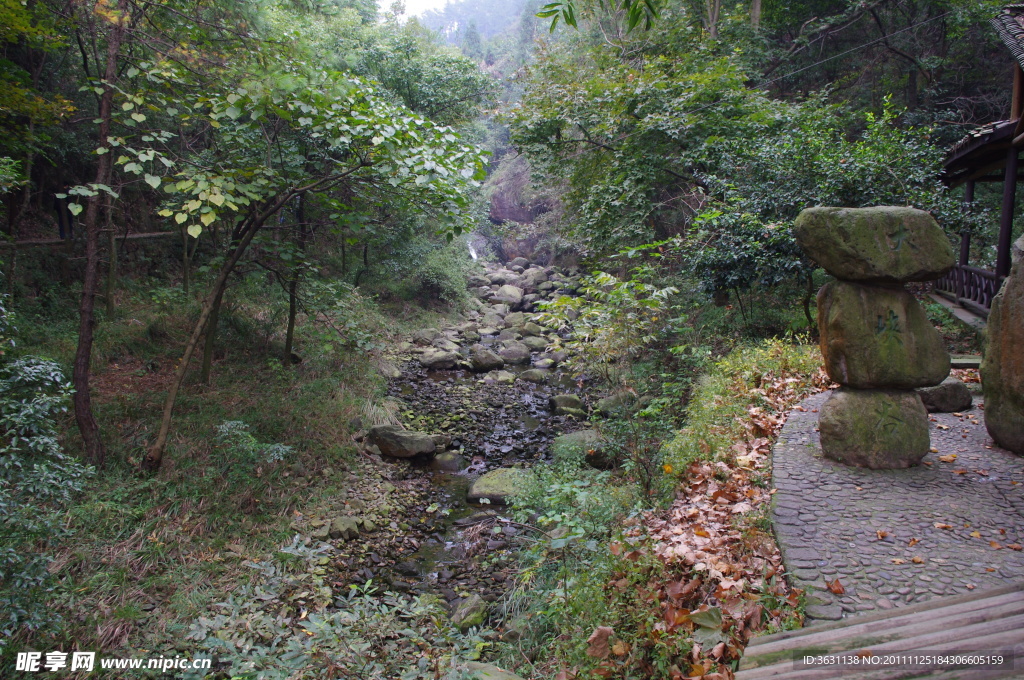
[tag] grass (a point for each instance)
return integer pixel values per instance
(733, 385)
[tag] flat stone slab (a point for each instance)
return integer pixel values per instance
(866, 527)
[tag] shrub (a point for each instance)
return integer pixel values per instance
(37, 481)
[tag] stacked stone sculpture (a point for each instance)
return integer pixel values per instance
(876, 339)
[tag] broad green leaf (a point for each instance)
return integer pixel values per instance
(74, 208)
(153, 181)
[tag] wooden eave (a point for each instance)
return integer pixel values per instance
(980, 153)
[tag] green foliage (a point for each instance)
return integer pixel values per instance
(342, 320)
(615, 322)
(365, 633)
(245, 458)
(37, 483)
(10, 175)
(810, 159)
(739, 251)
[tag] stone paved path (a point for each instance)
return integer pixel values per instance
(876, 530)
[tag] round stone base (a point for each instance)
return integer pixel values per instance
(877, 429)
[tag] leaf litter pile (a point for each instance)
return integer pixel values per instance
(718, 577)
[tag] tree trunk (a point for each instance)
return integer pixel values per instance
(808, 294)
(290, 335)
(294, 283)
(714, 10)
(87, 425)
(184, 262)
(755, 14)
(111, 259)
(211, 340)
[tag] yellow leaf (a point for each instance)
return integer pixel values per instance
(194, 230)
(217, 199)
(180, 218)
(975, 534)
(208, 218)
(948, 458)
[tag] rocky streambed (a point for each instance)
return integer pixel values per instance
(471, 406)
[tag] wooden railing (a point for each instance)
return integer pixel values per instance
(973, 288)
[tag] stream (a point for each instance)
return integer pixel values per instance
(480, 420)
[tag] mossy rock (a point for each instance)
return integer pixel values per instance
(883, 244)
(534, 375)
(1002, 370)
(874, 337)
(486, 671)
(497, 486)
(471, 613)
(877, 429)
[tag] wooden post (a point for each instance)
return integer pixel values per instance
(965, 244)
(1006, 217)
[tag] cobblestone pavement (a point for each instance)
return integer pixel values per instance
(883, 533)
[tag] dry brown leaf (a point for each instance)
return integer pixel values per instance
(881, 533)
(970, 586)
(995, 545)
(975, 534)
(912, 542)
(620, 648)
(917, 559)
(948, 458)
(942, 525)
(598, 642)
(1015, 546)
(835, 587)
(897, 560)
(679, 589)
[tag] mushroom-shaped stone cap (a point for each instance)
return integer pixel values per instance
(884, 244)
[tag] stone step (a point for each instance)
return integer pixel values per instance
(973, 623)
(965, 360)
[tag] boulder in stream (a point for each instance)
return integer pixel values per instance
(438, 358)
(484, 360)
(515, 352)
(396, 442)
(496, 486)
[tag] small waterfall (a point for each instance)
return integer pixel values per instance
(472, 250)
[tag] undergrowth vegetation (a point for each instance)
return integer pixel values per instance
(599, 595)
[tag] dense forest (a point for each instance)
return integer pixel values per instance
(240, 238)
